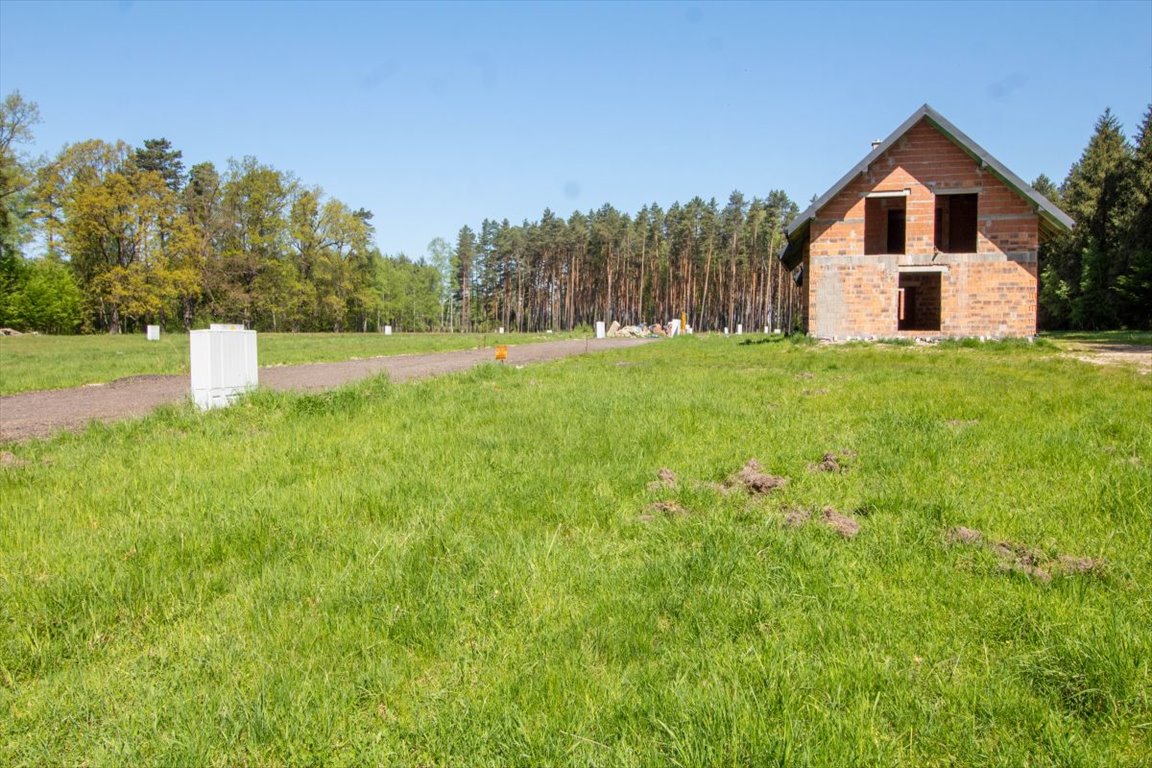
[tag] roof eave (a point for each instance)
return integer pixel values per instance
(1045, 208)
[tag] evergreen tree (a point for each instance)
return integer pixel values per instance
(1134, 286)
(1096, 195)
(464, 262)
(158, 156)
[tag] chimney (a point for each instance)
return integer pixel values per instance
(876, 143)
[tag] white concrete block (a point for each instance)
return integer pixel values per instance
(600, 329)
(387, 330)
(153, 333)
(223, 364)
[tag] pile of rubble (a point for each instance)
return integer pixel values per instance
(617, 331)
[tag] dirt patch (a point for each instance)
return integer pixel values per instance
(1137, 355)
(1068, 564)
(9, 459)
(666, 481)
(833, 462)
(668, 508)
(842, 524)
(1019, 558)
(753, 479)
(1032, 571)
(829, 463)
(962, 535)
(794, 517)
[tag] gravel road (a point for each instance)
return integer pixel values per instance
(39, 414)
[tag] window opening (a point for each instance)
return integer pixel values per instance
(956, 223)
(884, 225)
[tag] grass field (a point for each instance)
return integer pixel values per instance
(474, 570)
(51, 362)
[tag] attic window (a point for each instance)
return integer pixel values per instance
(884, 223)
(956, 223)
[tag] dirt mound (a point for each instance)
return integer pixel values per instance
(962, 535)
(842, 524)
(846, 526)
(1020, 558)
(670, 508)
(794, 517)
(666, 481)
(833, 462)
(754, 480)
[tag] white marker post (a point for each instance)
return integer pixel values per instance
(600, 329)
(739, 329)
(153, 333)
(387, 330)
(223, 364)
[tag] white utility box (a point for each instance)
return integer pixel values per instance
(153, 333)
(223, 364)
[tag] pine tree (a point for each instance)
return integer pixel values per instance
(1134, 286)
(464, 262)
(158, 156)
(1096, 196)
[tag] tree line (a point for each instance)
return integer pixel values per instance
(127, 235)
(714, 264)
(1099, 276)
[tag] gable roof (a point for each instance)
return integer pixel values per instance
(1052, 219)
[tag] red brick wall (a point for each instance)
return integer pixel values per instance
(988, 293)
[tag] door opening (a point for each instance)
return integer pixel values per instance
(918, 301)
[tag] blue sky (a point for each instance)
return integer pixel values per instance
(439, 115)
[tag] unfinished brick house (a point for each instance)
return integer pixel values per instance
(929, 235)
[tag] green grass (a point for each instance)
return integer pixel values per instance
(463, 571)
(51, 362)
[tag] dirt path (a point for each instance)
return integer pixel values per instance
(1113, 353)
(39, 414)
